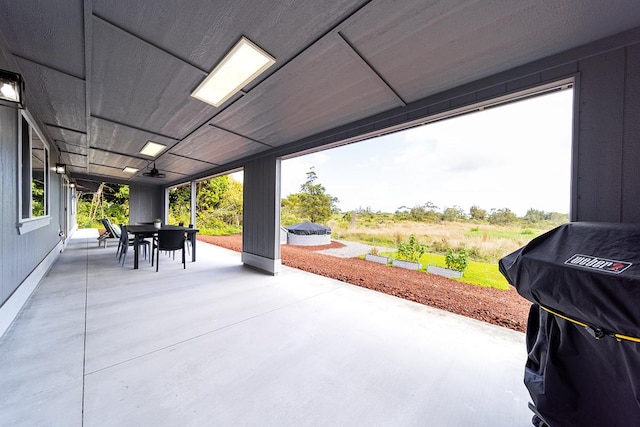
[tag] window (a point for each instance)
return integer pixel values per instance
(34, 177)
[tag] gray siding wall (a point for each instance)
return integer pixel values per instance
(608, 137)
(146, 203)
(261, 211)
(20, 254)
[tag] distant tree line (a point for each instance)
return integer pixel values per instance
(429, 212)
(219, 208)
(314, 204)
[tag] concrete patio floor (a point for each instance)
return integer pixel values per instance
(223, 345)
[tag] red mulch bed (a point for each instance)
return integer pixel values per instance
(502, 308)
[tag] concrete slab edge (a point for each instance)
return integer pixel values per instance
(10, 309)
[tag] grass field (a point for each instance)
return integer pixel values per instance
(477, 273)
(485, 243)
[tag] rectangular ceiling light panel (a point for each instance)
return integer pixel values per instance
(240, 66)
(152, 149)
(129, 170)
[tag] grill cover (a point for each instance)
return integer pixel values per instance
(589, 273)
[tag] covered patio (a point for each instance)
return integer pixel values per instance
(222, 344)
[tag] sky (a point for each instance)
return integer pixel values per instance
(516, 156)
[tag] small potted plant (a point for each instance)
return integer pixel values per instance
(157, 223)
(456, 264)
(409, 254)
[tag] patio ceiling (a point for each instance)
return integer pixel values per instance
(103, 78)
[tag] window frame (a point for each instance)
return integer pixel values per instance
(26, 221)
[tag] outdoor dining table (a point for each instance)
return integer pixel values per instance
(142, 231)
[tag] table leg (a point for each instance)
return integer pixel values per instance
(135, 251)
(193, 247)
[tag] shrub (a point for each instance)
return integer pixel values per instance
(475, 252)
(397, 237)
(412, 250)
(456, 261)
(373, 251)
(441, 246)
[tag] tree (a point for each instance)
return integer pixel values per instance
(232, 202)
(477, 214)
(502, 216)
(219, 203)
(427, 212)
(109, 201)
(312, 203)
(180, 204)
(454, 214)
(291, 206)
(316, 203)
(558, 218)
(534, 216)
(209, 193)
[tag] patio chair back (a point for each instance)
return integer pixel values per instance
(123, 246)
(113, 231)
(126, 241)
(170, 240)
(110, 232)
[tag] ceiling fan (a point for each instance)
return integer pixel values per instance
(154, 173)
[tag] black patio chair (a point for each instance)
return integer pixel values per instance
(169, 240)
(189, 242)
(121, 245)
(126, 241)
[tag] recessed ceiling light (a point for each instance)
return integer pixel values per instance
(152, 149)
(130, 170)
(241, 65)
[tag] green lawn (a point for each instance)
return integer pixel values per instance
(511, 233)
(477, 273)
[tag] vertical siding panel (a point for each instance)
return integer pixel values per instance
(8, 213)
(257, 221)
(276, 212)
(261, 211)
(247, 214)
(21, 253)
(246, 210)
(146, 202)
(631, 153)
(260, 244)
(600, 137)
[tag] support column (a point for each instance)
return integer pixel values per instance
(193, 203)
(606, 186)
(261, 215)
